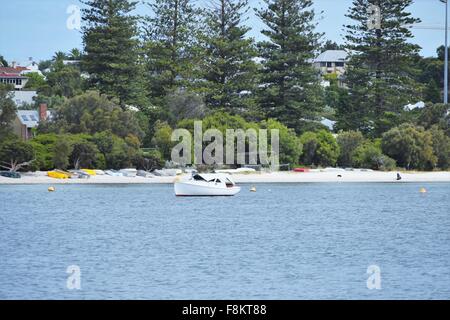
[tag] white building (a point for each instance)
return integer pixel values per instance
(23, 97)
(13, 76)
(332, 61)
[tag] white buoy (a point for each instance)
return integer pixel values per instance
(51, 189)
(253, 189)
(423, 190)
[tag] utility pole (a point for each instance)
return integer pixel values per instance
(446, 53)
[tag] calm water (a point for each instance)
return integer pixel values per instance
(286, 241)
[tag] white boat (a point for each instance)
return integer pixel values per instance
(200, 184)
(238, 170)
(114, 173)
(129, 172)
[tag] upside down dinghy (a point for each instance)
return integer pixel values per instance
(200, 184)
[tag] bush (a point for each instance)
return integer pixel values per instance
(16, 154)
(61, 153)
(90, 113)
(289, 144)
(150, 160)
(369, 155)
(410, 146)
(441, 147)
(319, 148)
(348, 142)
(162, 139)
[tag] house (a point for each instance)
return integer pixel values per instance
(332, 61)
(26, 120)
(16, 75)
(31, 67)
(13, 76)
(23, 97)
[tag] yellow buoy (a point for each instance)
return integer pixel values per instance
(253, 189)
(423, 190)
(51, 189)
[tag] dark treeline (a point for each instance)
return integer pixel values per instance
(138, 77)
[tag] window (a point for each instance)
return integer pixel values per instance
(24, 118)
(33, 118)
(339, 64)
(323, 64)
(329, 64)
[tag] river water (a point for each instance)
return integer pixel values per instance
(285, 241)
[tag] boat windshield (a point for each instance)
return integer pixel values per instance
(198, 177)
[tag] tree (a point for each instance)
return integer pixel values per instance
(185, 105)
(44, 147)
(369, 155)
(319, 148)
(162, 139)
(289, 144)
(348, 142)
(61, 153)
(35, 81)
(441, 147)
(84, 154)
(75, 54)
(331, 45)
(410, 146)
(170, 41)
(151, 160)
(59, 56)
(3, 62)
(91, 113)
(15, 154)
(228, 67)
(289, 89)
(381, 72)
(7, 112)
(435, 114)
(63, 80)
(112, 49)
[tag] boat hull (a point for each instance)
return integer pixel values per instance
(189, 189)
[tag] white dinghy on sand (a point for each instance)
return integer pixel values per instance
(202, 184)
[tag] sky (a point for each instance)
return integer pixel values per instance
(39, 28)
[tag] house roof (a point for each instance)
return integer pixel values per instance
(12, 75)
(30, 118)
(332, 56)
(6, 72)
(9, 70)
(21, 97)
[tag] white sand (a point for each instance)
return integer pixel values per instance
(274, 177)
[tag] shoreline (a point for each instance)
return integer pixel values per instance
(265, 177)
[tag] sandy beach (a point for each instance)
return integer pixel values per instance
(265, 177)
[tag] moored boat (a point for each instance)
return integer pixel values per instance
(201, 184)
(10, 174)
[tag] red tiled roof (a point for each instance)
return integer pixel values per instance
(9, 70)
(12, 75)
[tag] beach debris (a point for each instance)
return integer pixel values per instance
(301, 170)
(253, 189)
(51, 189)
